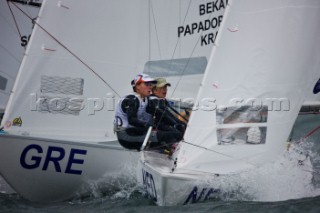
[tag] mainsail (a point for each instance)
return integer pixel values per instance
(80, 63)
(264, 62)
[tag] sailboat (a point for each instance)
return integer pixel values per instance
(264, 62)
(14, 34)
(57, 134)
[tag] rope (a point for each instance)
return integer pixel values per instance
(211, 150)
(68, 50)
(311, 132)
(175, 111)
(158, 147)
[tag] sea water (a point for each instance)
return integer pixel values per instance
(281, 186)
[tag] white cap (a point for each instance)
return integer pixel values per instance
(140, 78)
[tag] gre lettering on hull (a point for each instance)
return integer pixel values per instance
(34, 156)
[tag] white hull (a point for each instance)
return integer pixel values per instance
(43, 170)
(166, 188)
(180, 187)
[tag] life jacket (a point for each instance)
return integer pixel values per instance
(121, 118)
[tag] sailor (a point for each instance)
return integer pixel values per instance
(170, 127)
(131, 119)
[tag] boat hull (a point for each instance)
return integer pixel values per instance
(46, 170)
(168, 188)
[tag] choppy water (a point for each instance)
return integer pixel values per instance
(278, 187)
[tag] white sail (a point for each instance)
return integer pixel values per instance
(58, 74)
(264, 63)
(14, 35)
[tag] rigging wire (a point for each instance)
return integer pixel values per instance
(194, 48)
(14, 19)
(178, 40)
(149, 34)
(158, 41)
(175, 48)
(151, 10)
(68, 50)
(155, 28)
